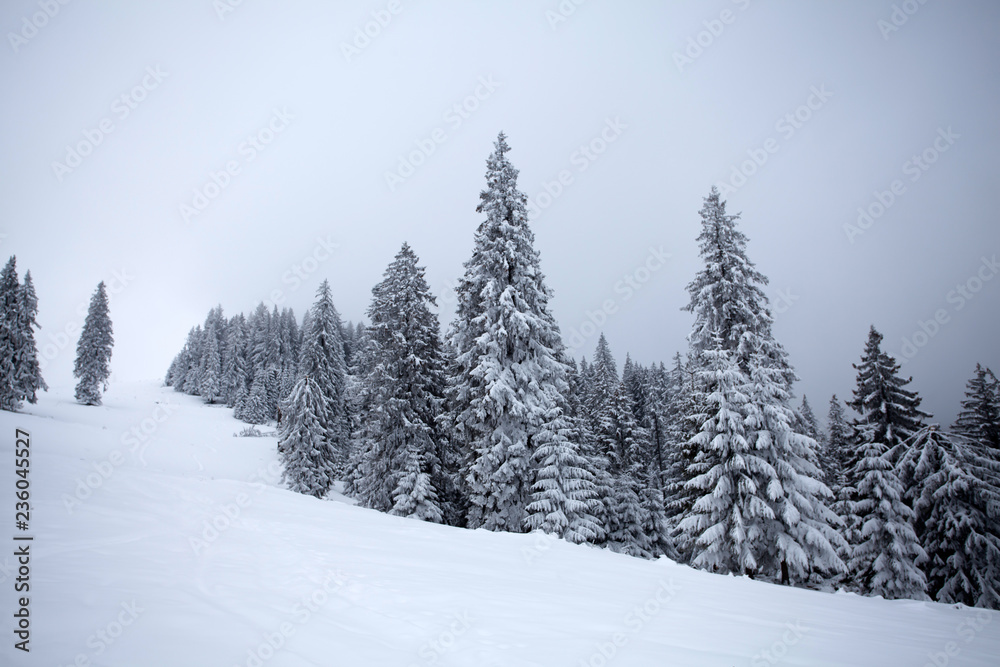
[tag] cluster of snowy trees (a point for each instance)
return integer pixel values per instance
(491, 424)
(249, 363)
(20, 372)
(920, 506)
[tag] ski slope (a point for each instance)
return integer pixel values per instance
(162, 539)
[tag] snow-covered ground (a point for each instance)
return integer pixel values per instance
(161, 539)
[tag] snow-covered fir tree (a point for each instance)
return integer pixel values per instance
(303, 442)
(234, 368)
(885, 551)
(28, 371)
(322, 360)
(884, 548)
(889, 412)
(210, 366)
(398, 462)
(93, 350)
(807, 421)
(191, 381)
(509, 378)
(760, 507)
(979, 419)
(10, 336)
(840, 439)
(20, 372)
(949, 485)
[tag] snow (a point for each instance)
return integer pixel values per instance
(385, 590)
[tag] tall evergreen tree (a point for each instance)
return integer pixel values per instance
(303, 443)
(884, 547)
(93, 351)
(29, 373)
(234, 368)
(979, 419)
(402, 441)
(10, 337)
(322, 360)
(889, 413)
(210, 367)
(509, 378)
(839, 444)
(810, 426)
(760, 506)
(191, 382)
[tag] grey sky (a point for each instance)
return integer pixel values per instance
(197, 87)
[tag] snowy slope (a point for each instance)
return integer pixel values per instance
(134, 574)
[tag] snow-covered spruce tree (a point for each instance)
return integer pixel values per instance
(509, 378)
(303, 442)
(210, 368)
(93, 350)
(839, 443)
(11, 336)
(979, 419)
(884, 547)
(719, 531)
(28, 371)
(948, 484)
(192, 380)
(808, 423)
(760, 506)
(234, 368)
(401, 438)
(889, 412)
(322, 360)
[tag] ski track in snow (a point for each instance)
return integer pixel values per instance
(355, 587)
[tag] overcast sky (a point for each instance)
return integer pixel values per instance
(192, 153)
